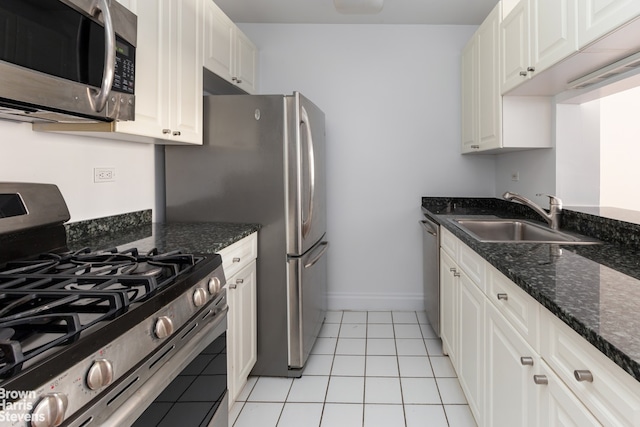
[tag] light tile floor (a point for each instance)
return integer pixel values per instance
(367, 369)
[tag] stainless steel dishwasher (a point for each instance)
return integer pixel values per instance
(431, 271)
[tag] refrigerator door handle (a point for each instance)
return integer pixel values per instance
(323, 246)
(304, 122)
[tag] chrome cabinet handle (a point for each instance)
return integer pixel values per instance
(239, 281)
(98, 98)
(531, 69)
(475, 146)
(166, 131)
(238, 81)
(502, 296)
(583, 375)
(526, 361)
(177, 133)
(232, 286)
(236, 259)
(540, 379)
(456, 274)
(523, 73)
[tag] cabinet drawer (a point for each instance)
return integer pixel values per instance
(612, 395)
(520, 309)
(238, 255)
(449, 243)
(472, 264)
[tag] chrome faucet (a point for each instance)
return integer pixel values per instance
(555, 207)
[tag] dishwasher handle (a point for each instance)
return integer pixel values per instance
(429, 227)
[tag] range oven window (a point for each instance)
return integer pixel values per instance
(195, 395)
(55, 39)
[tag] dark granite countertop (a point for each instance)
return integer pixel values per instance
(136, 230)
(594, 289)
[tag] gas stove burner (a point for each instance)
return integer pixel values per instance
(19, 342)
(31, 323)
(37, 295)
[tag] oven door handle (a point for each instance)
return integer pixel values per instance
(98, 98)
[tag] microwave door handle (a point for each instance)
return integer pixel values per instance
(98, 99)
(304, 120)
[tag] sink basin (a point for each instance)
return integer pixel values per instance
(518, 231)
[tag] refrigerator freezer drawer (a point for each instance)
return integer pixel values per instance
(307, 298)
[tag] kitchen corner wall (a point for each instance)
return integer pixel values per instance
(68, 162)
(391, 95)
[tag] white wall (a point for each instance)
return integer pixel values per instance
(68, 162)
(391, 95)
(578, 153)
(620, 150)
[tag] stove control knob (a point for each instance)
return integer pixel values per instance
(100, 374)
(49, 412)
(214, 285)
(199, 297)
(163, 327)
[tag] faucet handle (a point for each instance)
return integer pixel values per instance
(553, 200)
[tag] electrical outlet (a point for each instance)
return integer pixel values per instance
(515, 176)
(104, 174)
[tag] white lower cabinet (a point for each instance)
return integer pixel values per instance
(511, 393)
(517, 363)
(559, 407)
(239, 264)
(449, 285)
(471, 348)
(242, 332)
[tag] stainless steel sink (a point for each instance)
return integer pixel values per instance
(518, 231)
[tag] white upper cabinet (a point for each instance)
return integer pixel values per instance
(514, 46)
(599, 17)
(481, 101)
(492, 123)
(535, 35)
(228, 52)
(469, 91)
(552, 46)
(168, 72)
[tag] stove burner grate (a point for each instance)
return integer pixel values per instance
(53, 299)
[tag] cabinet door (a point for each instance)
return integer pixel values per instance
(489, 99)
(553, 31)
(471, 351)
(152, 53)
(511, 393)
(186, 83)
(245, 69)
(219, 41)
(469, 92)
(449, 306)
(559, 407)
(241, 328)
(514, 40)
(599, 17)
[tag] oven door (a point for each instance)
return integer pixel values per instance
(189, 389)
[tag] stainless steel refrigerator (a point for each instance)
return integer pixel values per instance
(263, 160)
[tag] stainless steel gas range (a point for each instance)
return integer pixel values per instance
(92, 338)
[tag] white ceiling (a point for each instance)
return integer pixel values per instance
(451, 12)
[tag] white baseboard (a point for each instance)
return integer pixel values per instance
(375, 302)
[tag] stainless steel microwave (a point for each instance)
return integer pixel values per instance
(67, 61)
